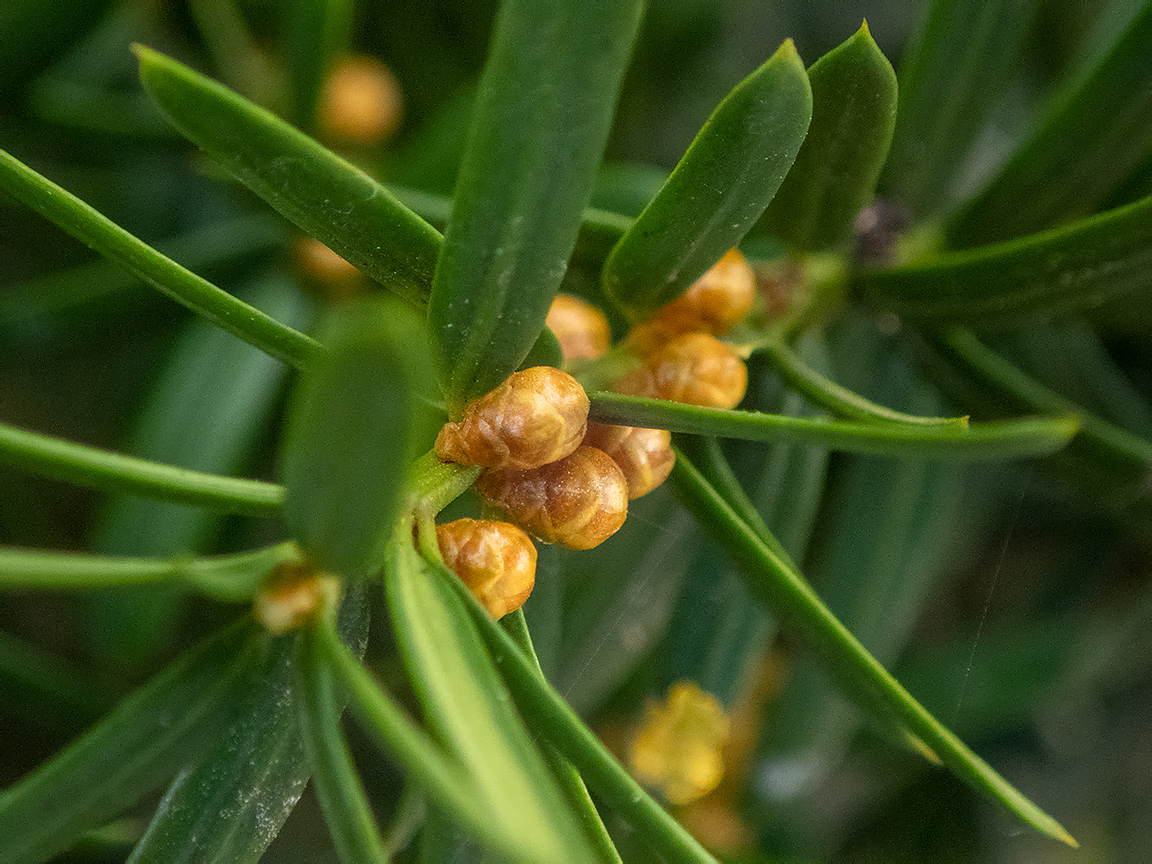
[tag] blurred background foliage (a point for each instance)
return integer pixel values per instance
(1014, 605)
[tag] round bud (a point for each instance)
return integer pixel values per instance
(293, 595)
(497, 561)
(535, 417)
(360, 101)
(338, 278)
(580, 327)
(717, 300)
(678, 747)
(644, 455)
(712, 304)
(696, 369)
(579, 501)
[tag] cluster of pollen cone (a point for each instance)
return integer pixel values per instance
(561, 478)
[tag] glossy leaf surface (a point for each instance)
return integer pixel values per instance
(564, 729)
(324, 195)
(139, 746)
(342, 798)
(355, 424)
(231, 805)
(1093, 136)
(952, 74)
(1076, 266)
(835, 173)
(542, 116)
(466, 706)
(440, 779)
(717, 191)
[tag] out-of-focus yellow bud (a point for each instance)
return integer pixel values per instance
(360, 101)
(537, 416)
(496, 560)
(339, 278)
(677, 747)
(294, 596)
(579, 327)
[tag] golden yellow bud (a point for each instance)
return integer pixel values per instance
(677, 748)
(579, 501)
(497, 561)
(339, 278)
(580, 327)
(535, 417)
(644, 455)
(295, 594)
(717, 300)
(712, 304)
(360, 101)
(696, 369)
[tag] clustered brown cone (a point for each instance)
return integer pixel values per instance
(681, 359)
(568, 481)
(496, 560)
(581, 328)
(578, 501)
(535, 417)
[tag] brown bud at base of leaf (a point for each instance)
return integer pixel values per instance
(644, 455)
(535, 417)
(696, 369)
(497, 561)
(712, 304)
(579, 501)
(295, 595)
(579, 327)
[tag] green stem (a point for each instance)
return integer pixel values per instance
(1132, 450)
(233, 578)
(381, 717)
(164, 274)
(793, 602)
(553, 718)
(824, 393)
(434, 484)
(334, 777)
(569, 779)
(1004, 439)
(225, 241)
(88, 466)
(709, 459)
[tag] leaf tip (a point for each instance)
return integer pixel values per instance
(1065, 837)
(787, 51)
(149, 59)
